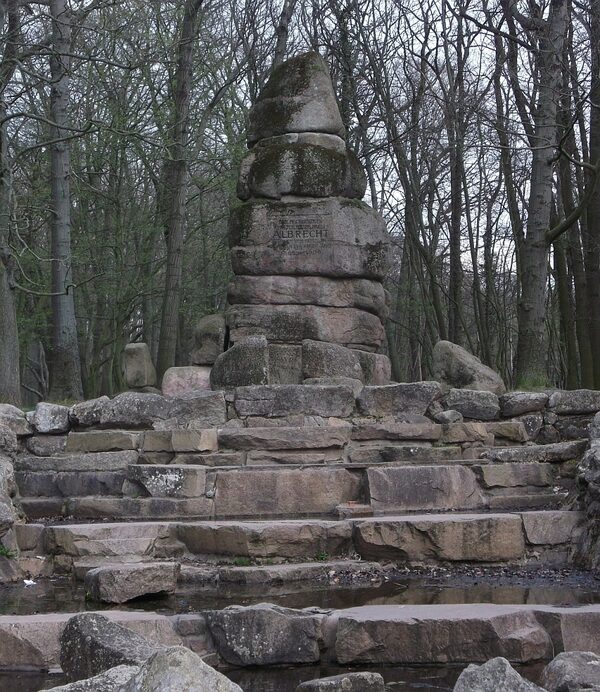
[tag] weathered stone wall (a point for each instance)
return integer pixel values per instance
(588, 553)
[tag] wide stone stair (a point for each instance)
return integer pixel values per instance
(313, 485)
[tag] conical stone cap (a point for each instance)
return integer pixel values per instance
(298, 97)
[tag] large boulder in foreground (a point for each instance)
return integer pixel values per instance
(91, 644)
(455, 367)
(112, 680)
(496, 675)
(178, 670)
(572, 670)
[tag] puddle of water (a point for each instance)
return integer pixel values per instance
(286, 679)
(63, 595)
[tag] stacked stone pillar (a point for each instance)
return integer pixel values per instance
(307, 302)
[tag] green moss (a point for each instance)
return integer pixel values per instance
(294, 76)
(5, 552)
(242, 561)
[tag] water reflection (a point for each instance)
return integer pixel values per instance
(63, 595)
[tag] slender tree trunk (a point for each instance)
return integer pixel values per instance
(174, 190)
(10, 387)
(530, 364)
(282, 31)
(65, 378)
(592, 247)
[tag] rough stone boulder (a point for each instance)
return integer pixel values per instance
(178, 669)
(50, 419)
(141, 410)
(112, 680)
(138, 366)
(13, 418)
(91, 644)
(497, 675)
(122, 583)
(265, 634)
(321, 359)
(473, 403)
(245, 363)
(575, 402)
(188, 378)
(298, 97)
(572, 671)
(518, 403)
(209, 339)
(456, 368)
(394, 399)
(347, 682)
(8, 448)
(301, 170)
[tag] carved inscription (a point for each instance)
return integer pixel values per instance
(297, 233)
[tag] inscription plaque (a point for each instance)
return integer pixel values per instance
(297, 233)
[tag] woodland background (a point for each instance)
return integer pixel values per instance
(122, 126)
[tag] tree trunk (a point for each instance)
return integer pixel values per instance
(65, 373)
(530, 362)
(592, 247)
(174, 181)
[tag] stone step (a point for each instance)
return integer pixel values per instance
(557, 452)
(402, 634)
(96, 461)
(181, 491)
(493, 538)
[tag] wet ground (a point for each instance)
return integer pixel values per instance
(564, 587)
(286, 679)
(435, 586)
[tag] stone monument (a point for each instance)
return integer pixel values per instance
(307, 301)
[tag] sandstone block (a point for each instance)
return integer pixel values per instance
(170, 480)
(321, 359)
(283, 492)
(121, 583)
(455, 367)
(178, 669)
(514, 431)
(420, 488)
(497, 675)
(447, 417)
(551, 527)
(454, 433)
(102, 441)
(51, 418)
(446, 633)
(298, 97)
(332, 237)
(479, 405)
(347, 682)
(282, 539)
(350, 382)
(265, 635)
(363, 294)
(517, 403)
(557, 452)
(209, 339)
(284, 400)
(245, 363)
(392, 399)
(179, 440)
(280, 438)
(456, 538)
(318, 138)
(302, 170)
(515, 475)
(189, 378)
(396, 431)
(295, 323)
(138, 367)
(91, 644)
(45, 445)
(376, 367)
